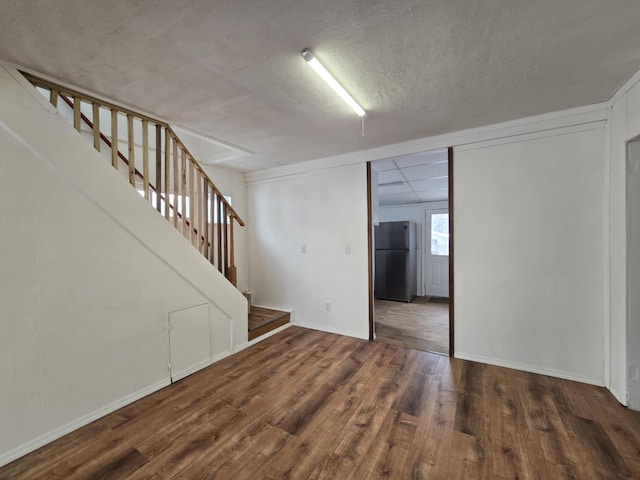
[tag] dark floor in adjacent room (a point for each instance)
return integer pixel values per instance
(422, 324)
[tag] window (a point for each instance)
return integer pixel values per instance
(440, 234)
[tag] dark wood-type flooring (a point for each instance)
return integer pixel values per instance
(421, 324)
(263, 320)
(307, 405)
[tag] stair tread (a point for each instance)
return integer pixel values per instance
(263, 320)
(260, 316)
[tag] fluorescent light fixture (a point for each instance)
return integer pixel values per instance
(390, 184)
(332, 82)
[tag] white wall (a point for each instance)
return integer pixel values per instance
(413, 212)
(624, 126)
(530, 240)
(529, 255)
(88, 276)
(325, 210)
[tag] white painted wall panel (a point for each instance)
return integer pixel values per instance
(325, 211)
(625, 125)
(529, 266)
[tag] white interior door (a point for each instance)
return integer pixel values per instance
(436, 253)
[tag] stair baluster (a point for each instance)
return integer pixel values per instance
(190, 201)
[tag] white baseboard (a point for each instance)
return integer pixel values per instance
(220, 356)
(334, 331)
(185, 373)
(81, 422)
(576, 377)
(42, 440)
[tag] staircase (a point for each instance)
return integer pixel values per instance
(264, 320)
(156, 162)
(149, 154)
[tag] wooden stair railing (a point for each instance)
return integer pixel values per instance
(181, 191)
(124, 159)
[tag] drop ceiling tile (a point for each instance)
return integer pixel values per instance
(422, 172)
(430, 184)
(423, 158)
(387, 176)
(381, 165)
(398, 199)
(392, 189)
(433, 195)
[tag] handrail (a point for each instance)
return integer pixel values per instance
(206, 218)
(121, 156)
(41, 82)
(204, 174)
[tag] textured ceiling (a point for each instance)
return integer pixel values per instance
(232, 69)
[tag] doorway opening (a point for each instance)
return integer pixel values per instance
(411, 251)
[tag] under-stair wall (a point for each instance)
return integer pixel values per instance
(90, 275)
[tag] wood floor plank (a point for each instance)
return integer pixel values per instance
(413, 397)
(387, 457)
(434, 438)
(421, 324)
(303, 460)
(35, 463)
(114, 455)
(305, 404)
(250, 453)
(510, 446)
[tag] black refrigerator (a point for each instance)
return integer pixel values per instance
(395, 265)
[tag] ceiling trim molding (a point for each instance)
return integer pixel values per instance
(591, 116)
(583, 127)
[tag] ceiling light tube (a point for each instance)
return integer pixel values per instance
(332, 82)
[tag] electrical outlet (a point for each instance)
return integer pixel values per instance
(303, 248)
(327, 306)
